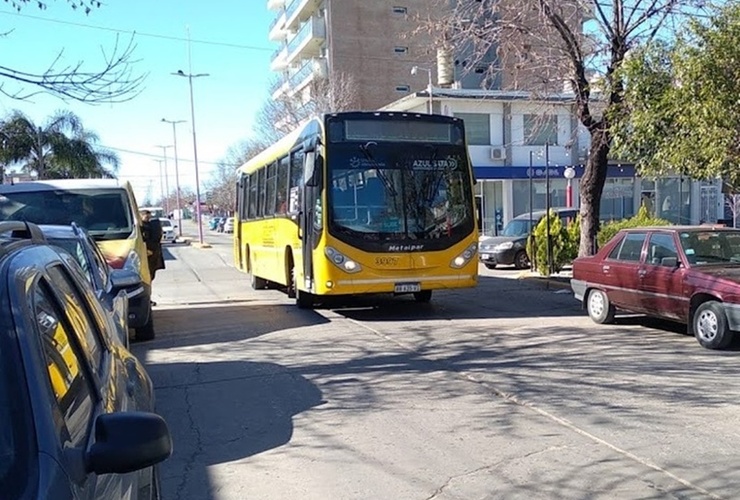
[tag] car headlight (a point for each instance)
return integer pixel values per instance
(505, 245)
(342, 261)
(487, 247)
(133, 262)
(464, 257)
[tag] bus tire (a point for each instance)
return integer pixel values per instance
(304, 300)
(146, 332)
(423, 297)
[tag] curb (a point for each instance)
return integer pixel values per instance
(547, 282)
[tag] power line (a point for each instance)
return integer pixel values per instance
(140, 33)
(159, 156)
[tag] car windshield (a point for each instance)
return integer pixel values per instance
(14, 438)
(517, 227)
(105, 213)
(711, 247)
(416, 192)
(165, 223)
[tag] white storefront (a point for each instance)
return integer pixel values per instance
(512, 138)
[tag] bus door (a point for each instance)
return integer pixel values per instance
(311, 213)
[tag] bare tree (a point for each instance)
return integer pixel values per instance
(112, 81)
(280, 116)
(542, 46)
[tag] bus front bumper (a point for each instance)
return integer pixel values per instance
(399, 285)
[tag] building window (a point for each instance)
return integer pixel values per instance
(400, 50)
(403, 88)
(400, 11)
(477, 128)
(540, 130)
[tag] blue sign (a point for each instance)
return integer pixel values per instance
(539, 172)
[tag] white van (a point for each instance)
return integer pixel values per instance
(107, 209)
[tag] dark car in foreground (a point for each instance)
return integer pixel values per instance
(76, 407)
(510, 247)
(113, 287)
(689, 274)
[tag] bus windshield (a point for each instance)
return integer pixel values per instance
(380, 191)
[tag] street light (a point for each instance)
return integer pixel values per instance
(161, 179)
(166, 180)
(415, 70)
(569, 174)
(547, 208)
(533, 258)
(177, 172)
(190, 77)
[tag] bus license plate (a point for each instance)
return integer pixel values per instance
(407, 287)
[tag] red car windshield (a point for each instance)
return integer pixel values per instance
(711, 247)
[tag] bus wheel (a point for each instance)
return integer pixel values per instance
(303, 300)
(257, 282)
(290, 289)
(424, 296)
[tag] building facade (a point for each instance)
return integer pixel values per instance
(521, 147)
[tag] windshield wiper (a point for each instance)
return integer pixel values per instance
(365, 148)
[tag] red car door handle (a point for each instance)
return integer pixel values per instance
(641, 273)
(605, 269)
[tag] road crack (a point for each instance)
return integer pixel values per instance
(190, 462)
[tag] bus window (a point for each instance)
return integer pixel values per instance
(296, 178)
(271, 201)
(261, 202)
(282, 183)
(253, 185)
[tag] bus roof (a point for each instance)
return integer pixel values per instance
(50, 185)
(315, 125)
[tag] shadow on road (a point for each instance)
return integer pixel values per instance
(221, 412)
(216, 323)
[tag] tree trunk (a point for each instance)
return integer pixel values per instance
(591, 188)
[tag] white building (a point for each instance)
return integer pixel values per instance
(509, 132)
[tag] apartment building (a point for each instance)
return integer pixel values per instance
(375, 44)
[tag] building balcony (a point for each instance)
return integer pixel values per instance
(279, 60)
(308, 41)
(277, 31)
(275, 4)
(297, 78)
(299, 11)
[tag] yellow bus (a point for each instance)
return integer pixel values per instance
(360, 203)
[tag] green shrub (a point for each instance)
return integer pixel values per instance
(573, 241)
(641, 219)
(559, 244)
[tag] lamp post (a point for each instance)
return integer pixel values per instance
(547, 208)
(177, 172)
(532, 259)
(415, 70)
(161, 178)
(190, 77)
(166, 180)
(569, 174)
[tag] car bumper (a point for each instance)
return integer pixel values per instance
(732, 311)
(139, 306)
(579, 288)
(504, 257)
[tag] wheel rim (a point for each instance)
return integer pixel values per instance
(707, 325)
(596, 304)
(523, 260)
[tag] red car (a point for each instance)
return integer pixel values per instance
(689, 274)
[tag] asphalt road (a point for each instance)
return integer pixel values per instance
(504, 391)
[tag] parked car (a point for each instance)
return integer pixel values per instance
(510, 247)
(76, 405)
(229, 225)
(168, 230)
(113, 287)
(213, 223)
(107, 209)
(689, 274)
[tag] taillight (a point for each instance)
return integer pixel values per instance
(116, 262)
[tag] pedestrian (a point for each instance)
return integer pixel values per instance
(152, 232)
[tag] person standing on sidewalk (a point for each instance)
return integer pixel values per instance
(152, 231)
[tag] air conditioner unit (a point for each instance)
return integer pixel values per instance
(498, 153)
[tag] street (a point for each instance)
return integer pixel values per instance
(504, 391)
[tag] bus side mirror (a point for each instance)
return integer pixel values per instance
(309, 170)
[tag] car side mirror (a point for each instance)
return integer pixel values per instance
(128, 441)
(669, 261)
(120, 279)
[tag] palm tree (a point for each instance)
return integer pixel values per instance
(61, 149)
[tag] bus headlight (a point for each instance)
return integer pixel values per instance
(341, 261)
(462, 259)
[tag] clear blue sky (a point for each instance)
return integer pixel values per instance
(229, 42)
